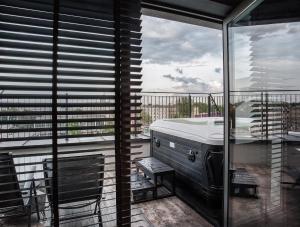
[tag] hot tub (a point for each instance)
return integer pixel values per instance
(194, 148)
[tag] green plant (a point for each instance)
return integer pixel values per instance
(182, 108)
(202, 107)
(146, 118)
(73, 128)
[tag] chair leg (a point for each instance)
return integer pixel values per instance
(99, 216)
(51, 219)
(29, 216)
(96, 206)
(36, 202)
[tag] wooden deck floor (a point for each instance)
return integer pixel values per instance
(165, 212)
(173, 212)
(269, 208)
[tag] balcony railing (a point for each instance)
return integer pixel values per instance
(162, 105)
(155, 106)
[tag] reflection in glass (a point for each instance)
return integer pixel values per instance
(264, 60)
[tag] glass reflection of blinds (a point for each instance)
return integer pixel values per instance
(269, 116)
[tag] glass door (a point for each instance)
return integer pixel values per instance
(262, 131)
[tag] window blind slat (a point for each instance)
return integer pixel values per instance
(87, 90)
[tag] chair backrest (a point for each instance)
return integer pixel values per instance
(10, 193)
(79, 178)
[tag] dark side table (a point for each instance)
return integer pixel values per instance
(154, 168)
(241, 181)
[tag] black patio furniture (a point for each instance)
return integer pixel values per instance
(241, 182)
(154, 168)
(140, 186)
(14, 200)
(80, 183)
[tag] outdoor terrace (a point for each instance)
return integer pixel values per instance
(79, 142)
(154, 213)
(28, 138)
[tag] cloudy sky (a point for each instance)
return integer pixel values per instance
(188, 58)
(181, 57)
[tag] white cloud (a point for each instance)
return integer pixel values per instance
(203, 69)
(156, 28)
(186, 46)
(170, 45)
(167, 41)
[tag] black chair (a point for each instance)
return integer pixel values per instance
(14, 201)
(80, 179)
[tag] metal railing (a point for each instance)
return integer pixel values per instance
(162, 105)
(18, 122)
(155, 106)
(247, 104)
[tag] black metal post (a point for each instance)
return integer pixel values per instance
(118, 103)
(209, 105)
(54, 113)
(190, 105)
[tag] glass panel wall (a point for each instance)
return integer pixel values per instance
(264, 108)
